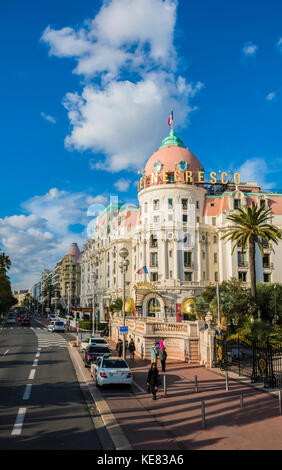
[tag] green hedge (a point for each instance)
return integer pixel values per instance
(87, 325)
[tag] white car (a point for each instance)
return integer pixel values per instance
(110, 370)
(92, 340)
(56, 326)
(10, 321)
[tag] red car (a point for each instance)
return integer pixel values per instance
(26, 322)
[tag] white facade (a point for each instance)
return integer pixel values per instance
(176, 233)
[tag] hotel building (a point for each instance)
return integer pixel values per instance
(176, 232)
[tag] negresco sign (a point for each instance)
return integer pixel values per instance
(186, 177)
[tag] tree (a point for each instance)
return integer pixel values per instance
(235, 302)
(5, 262)
(48, 291)
(6, 297)
(116, 305)
(250, 230)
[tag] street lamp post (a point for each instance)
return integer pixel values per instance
(94, 278)
(123, 253)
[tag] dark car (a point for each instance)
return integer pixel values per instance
(26, 322)
(92, 352)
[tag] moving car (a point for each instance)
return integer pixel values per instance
(56, 325)
(87, 341)
(111, 370)
(26, 322)
(10, 320)
(93, 352)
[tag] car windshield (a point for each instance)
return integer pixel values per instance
(95, 349)
(98, 341)
(114, 364)
(59, 323)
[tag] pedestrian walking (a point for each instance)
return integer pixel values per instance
(119, 347)
(161, 344)
(153, 380)
(131, 348)
(154, 353)
(163, 357)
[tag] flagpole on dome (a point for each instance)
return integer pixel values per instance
(170, 120)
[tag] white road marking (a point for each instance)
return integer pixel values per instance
(17, 429)
(138, 386)
(27, 392)
(32, 374)
(35, 363)
(6, 352)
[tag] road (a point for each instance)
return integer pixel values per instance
(41, 403)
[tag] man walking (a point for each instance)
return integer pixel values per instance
(131, 348)
(163, 356)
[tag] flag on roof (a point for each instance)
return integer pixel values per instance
(143, 270)
(170, 119)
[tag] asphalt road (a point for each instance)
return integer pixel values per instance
(41, 403)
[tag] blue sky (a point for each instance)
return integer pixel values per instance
(86, 91)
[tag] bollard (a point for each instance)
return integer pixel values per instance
(241, 401)
(226, 380)
(203, 415)
(165, 389)
(196, 383)
(280, 401)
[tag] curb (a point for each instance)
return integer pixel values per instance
(114, 437)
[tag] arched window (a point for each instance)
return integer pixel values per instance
(154, 307)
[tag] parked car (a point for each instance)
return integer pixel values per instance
(92, 340)
(92, 352)
(111, 370)
(26, 322)
(56, 325)
(10, 320)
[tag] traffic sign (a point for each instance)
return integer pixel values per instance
(123, 330)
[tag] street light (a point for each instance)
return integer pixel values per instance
(123, 253)
(94, 278)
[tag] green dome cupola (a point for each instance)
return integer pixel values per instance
(172, 139)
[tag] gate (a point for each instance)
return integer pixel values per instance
(258, 361)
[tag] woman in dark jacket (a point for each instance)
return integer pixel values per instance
(153, 380)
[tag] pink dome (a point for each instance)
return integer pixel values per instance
(74, 251)
(170, 157)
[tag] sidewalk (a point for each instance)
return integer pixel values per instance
(175, 421)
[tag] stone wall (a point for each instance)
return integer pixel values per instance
(187, 341)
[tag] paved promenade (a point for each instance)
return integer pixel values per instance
(174, 422)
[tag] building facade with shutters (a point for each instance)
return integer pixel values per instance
(176, 234)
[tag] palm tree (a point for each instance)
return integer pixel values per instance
(5, 262)
(251, 229)
(116, 305)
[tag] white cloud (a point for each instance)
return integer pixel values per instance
(249, 49)
(122, 184)
(125, 120)
(271, 96)
(256, 169)
(38, 239)
(124, 115)
(49, 118)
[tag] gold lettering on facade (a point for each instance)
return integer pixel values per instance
(222, 177)
(188, 177)
(165, 177)
(177, 176)
(236, 178)
(200, 177)
(213, 177)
